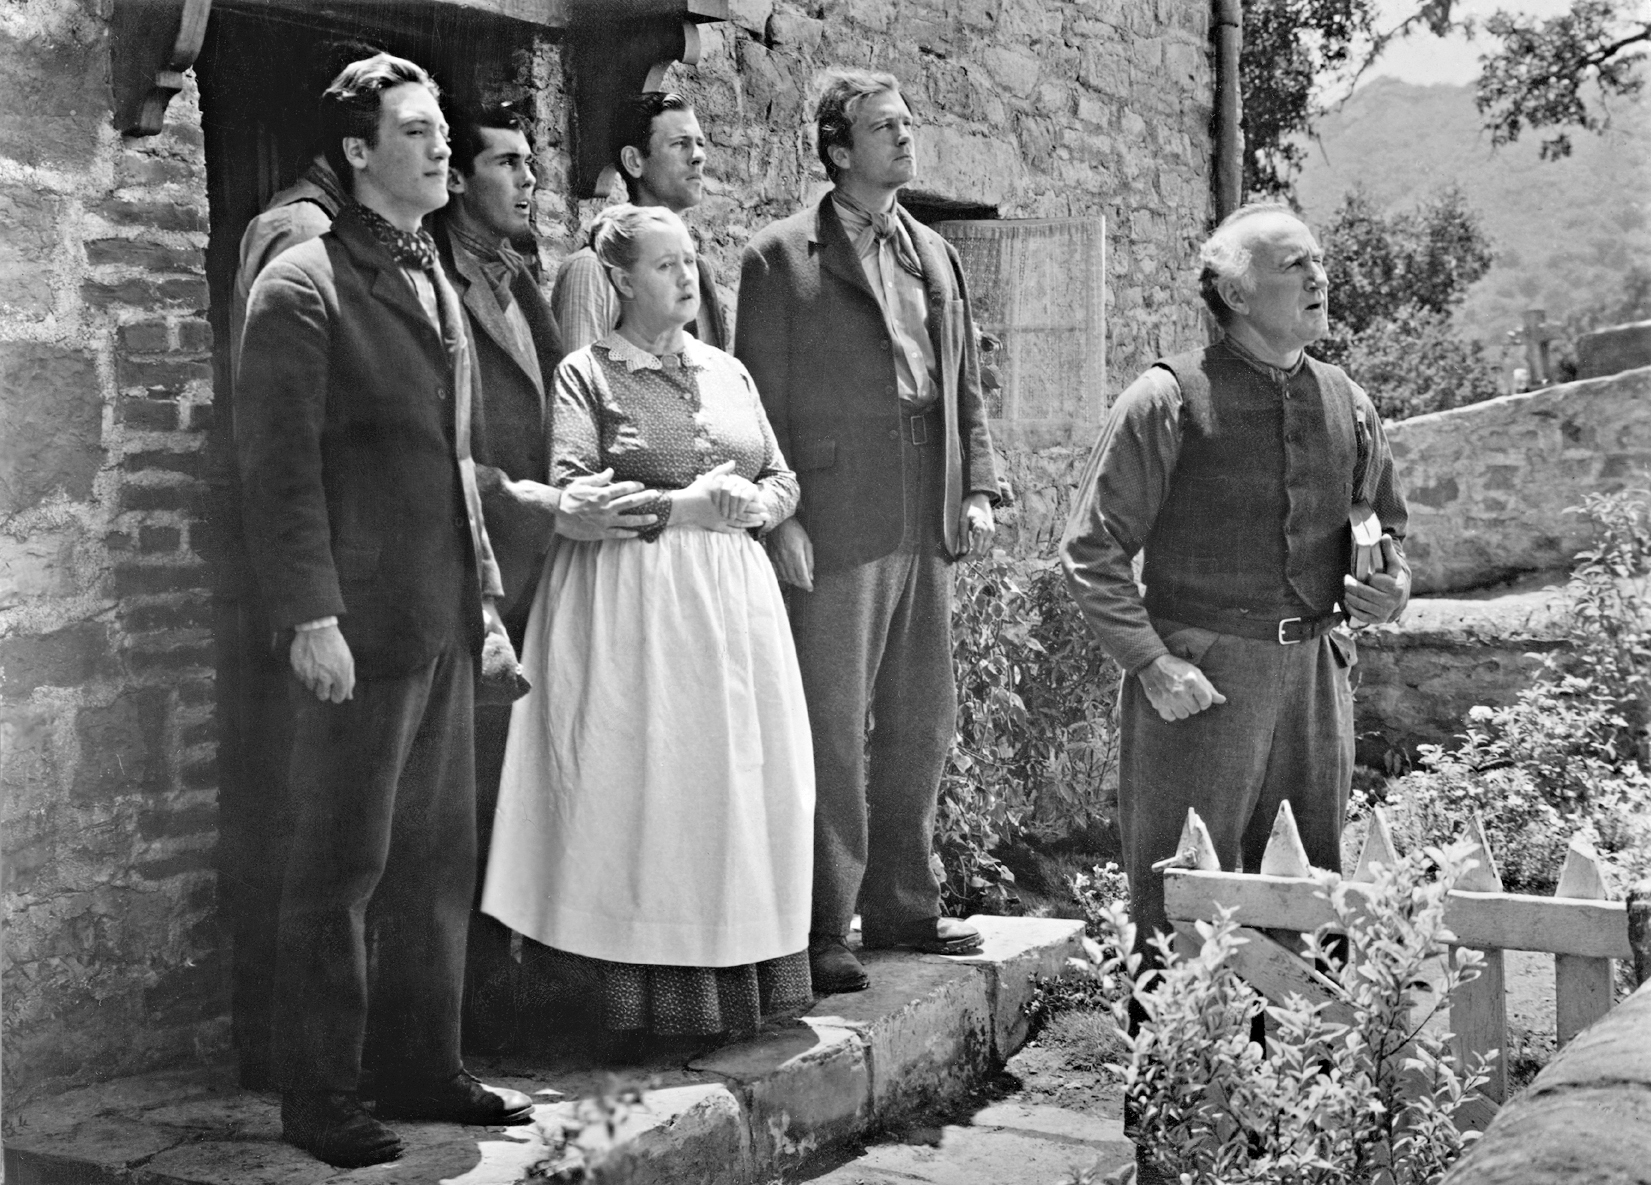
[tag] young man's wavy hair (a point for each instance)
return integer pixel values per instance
(841, 93)
(350, 106)
(467, 141)
(633, 127)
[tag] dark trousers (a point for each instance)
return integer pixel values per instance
(491, 972)
(384, 841)
(1285, 733)
(875, 646)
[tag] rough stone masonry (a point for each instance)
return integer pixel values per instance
(108, 738)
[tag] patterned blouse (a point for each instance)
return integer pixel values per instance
(663, 421)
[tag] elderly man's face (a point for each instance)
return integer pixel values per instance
(1289, 303)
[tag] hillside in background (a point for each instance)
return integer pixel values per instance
(1566, 232)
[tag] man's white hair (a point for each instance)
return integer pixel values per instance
(1225, 256)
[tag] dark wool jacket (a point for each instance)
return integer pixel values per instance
(510, 431)
(813, 336)
(353, 434)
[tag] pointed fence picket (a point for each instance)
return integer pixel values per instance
(1275, 906)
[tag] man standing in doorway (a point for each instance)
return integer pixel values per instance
(514, 350)
(855, 324)
(659, 151)
(1234, 468)
(365, 530)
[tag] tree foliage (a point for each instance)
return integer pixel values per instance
(1553, 73)
(1302, 56)
(1395, 280)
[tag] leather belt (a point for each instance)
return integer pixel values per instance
(1288, 631)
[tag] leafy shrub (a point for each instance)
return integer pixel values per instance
(1372, 1100)
(1569, 755)
(1035, 739)
(1395, 281)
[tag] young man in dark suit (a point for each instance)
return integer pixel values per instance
(364, 527)
(855, 323)
(515, 347)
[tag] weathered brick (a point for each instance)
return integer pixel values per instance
(143, 337)
(198, 691)
(187, 292)
(31, 219)
(201, 417)
(178, 822)
(158, 539)
(160, 215)
(136, 580)
(51, 423)
(186, 656)
(118, 541)
(147, 168)
(68, 657)
(163, 377)
(123, 746)
(163, 461)
(178, 865)
(200, 733)
(190, 497)
(178, 614)
(199, 775)
(157, 257)
(195, 335)
(101, 295)
(149, 415)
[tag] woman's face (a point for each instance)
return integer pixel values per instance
(663, 284)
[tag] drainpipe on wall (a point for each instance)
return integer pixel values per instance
(1229, 137)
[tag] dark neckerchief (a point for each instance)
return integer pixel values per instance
(500, 262)
(413, 249)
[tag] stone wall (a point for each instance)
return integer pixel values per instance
(1491, 485)
(107, 749)
(1040, 108)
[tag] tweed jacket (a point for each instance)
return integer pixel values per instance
(813, 336)
(510, 429)
(353, 435)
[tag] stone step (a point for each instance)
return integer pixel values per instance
(1033, 1143)
(927, 1030)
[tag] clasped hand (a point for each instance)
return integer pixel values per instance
(720, 500)
(595, 506)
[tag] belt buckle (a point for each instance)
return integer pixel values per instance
(1282, 640)
(918, 428)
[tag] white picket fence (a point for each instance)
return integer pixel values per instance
(1584, 932)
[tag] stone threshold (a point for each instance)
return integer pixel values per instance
(927, 1029)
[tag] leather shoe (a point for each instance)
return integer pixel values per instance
(459, 1099)
(833, 968)
(934, 936)
(331, 1126)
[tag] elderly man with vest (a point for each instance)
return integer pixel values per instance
(1235, 469)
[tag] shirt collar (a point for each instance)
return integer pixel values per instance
(1266, 368)
(695, 353)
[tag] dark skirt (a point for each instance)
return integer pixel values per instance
(680, 1001)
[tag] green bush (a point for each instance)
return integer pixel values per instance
(1372, 1101)
(1035, 739)
(1569, 756)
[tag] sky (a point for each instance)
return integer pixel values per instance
(1425, 59)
